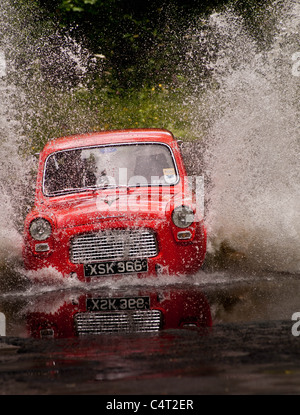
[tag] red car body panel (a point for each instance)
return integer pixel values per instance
(96, 210)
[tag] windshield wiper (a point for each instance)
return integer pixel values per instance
(88, 188)
(67, 190)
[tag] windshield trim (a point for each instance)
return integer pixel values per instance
(94, 188)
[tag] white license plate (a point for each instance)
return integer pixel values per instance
(115, 267)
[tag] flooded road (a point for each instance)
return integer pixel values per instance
(243, 342)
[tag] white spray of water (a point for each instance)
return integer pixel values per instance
(28, 55)
(252, 153)
(13, 175)
(14, 168)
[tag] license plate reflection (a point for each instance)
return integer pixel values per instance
(119, 303)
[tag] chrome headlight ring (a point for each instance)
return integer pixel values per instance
(183, 216)
(40, 229)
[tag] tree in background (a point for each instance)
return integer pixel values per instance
(140, 42)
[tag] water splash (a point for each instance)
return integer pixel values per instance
(14, 169)
(33, 57)
(252, 151)
(245, 99)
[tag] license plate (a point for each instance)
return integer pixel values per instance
(117, 304)
(115, 267)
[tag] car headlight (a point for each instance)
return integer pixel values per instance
(40, 229)
(183, 216)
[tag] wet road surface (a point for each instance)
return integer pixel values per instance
(250, 348)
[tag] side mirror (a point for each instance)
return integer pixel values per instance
(180, 143)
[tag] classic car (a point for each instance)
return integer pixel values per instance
(113, 203)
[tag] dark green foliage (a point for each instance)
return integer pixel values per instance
(139, 41)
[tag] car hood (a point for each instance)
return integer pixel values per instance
(133, 206)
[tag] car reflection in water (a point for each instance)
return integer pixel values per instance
(122, 311)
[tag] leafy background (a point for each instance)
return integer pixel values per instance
(86, 65)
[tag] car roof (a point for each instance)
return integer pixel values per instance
(108, 137)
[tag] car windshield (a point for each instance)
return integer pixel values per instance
(129, 165)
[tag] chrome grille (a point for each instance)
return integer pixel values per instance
(114, 244)
(118, 321)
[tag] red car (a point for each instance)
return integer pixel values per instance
(114, 203)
